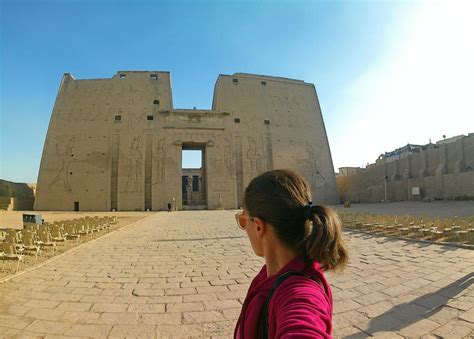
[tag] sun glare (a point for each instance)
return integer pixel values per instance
(421, 92)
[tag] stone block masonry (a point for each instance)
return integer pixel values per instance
(116, 144)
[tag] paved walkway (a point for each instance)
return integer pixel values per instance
(185, 274)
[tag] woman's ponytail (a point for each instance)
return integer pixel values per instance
(324, 242)
(282, 198)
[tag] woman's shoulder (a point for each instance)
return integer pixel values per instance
(308, 289)
(259, 279)
(301, 305)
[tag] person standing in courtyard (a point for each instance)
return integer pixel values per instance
(290, 296)
(169, 207)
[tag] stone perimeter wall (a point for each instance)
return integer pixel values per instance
(442, 171)
(16, 196)
(256, 123)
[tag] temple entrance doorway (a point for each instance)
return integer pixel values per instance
(193, 176)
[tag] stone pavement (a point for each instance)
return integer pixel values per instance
(185, 274)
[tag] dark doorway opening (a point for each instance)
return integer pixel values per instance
(76, 206)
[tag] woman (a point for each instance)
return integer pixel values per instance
(290, 297)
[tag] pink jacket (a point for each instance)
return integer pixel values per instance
(298, 308)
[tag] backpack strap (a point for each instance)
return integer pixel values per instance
(278, 282)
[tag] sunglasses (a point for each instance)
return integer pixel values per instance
(241, 219)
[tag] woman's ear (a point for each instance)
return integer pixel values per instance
(260, 227)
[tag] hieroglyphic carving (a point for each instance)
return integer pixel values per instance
(220, 158)
(134, 165)
(217, 161)
(254, 158)
(311, 167)
(148, 170)
(197, 138)
(159, 156)
(268, 152)
(114, 171)
(228, 156)
(239, 169)
(252, 100)
(66, 157)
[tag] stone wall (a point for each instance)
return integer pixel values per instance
(116, 143)
(441, 171)
(16, 196)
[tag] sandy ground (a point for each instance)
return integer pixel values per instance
(13, 219)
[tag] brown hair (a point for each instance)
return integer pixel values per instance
(282, 198)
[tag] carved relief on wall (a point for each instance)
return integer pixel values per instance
(197, 138)
(228, 156)
(193, 137)
(134, 165)
(71, 161)
(311, 167)
(267, 161)
(65, 157)
(254, 158)
(221, 158)
(159, 156)
(216, 159)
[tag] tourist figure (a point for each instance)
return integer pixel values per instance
(290, 296)
(169, 207)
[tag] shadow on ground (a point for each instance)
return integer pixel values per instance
(403, 315)
(380, 238)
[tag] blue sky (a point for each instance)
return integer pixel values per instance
(386, 72)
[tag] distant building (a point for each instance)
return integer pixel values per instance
(401, 153)
(449, 140)
(444, 170)
(16, 196)
(346, 171)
